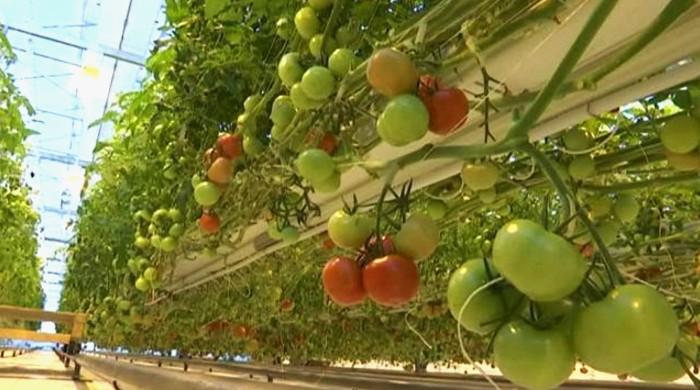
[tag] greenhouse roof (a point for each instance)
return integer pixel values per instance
(73, 58)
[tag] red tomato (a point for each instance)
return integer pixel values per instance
(287, 304)
(586, 249)
(342, 281)
(209, 223)
(230, 145)
(448, 109)
(391, 280)
(220, 171)
(328, 143)
(217, 326)
(240, 331)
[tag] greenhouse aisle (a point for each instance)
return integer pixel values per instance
(42, 370)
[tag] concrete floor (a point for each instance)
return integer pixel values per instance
(42, 370)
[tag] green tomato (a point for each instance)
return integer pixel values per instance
(170, 173)
(142, 214)
(283, 28)
(341, 62)
(160, 215)
(150, 274)
(124, 305)
(176, 230)
(277, 133)
(301, 100)
(196, 179)
(142, 285)
(168, 244)
(480, 176)
(532, 358)
(318, 83)
(404, 120)
(289, 234)
(437, 209)
(141, 242)
(307, 22)
(156, 241)
(576, 140)
(315, 165)
(345, 35)
(251, 102)
(175, 215)
(141, 263)
(246, 122)
(329, 185)
(349, 231)
(418, 238)
(529, 257)
(599, 206)
(626, 208)
(487, 196)
(273, 231)
(582, 167)
(252, 146)
(315, 45)
(207, 194)
(289, 70)
(668, 369)
(608, 231)
(131, 264)
(485, 309)
(283, 111)
(634, 326)
(320, 5)
(680, 134)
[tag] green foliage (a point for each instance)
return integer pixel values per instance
(19, 264)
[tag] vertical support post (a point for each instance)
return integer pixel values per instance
(76, 372)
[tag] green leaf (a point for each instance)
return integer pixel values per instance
(214, 7)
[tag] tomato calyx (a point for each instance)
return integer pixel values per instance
(374, 249)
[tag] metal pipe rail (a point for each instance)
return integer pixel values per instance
(176, 369)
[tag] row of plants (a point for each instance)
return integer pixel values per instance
(19, 264)
(539, 250)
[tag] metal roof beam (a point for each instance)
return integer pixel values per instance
(111, 52)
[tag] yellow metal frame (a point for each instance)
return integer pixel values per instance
(76, 320)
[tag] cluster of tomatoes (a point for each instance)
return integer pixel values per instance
(160, 230)
(539, 318)
(384, 270)
(417, 104)
(219, 164)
